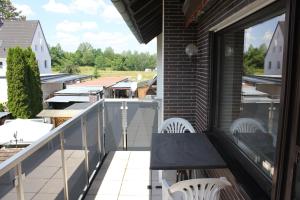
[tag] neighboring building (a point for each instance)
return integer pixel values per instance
(69, 96)
(147, 88)
(125, 90)
(274, 56)
(4, 116)
(24, 34)
(105, 82)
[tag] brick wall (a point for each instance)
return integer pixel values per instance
(186, 81)
(213, 16)
(179, 69)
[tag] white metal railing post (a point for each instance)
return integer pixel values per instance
(84, 145)
(124, 123)
(64, 167)
(19, 182)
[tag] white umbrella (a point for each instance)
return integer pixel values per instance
(23, 130)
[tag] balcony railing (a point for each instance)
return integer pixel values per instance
(62, 164)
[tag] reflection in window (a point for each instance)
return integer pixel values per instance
(249, 100)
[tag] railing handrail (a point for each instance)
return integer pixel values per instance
(13, 161)
(25, 153)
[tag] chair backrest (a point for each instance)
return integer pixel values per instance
(176, 125)
(199, 189)
(246, 125)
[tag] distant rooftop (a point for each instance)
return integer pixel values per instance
(78, 91)
(16, 33)
(103, 81)
(4, 114)
(125, 86)
(62, 78)
(68, 99)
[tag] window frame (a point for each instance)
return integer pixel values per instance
(255, 177)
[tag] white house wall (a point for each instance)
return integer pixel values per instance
(3, 90)
(275, 54)
(42, 54)
(3, 67)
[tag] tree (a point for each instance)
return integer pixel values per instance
(23, 81)
(254, 59)
(35, 90)
(57, 55)
(8, 11)
(85, 50)
(69, 67)
(2, 108)
(96, 73)
(100, 62)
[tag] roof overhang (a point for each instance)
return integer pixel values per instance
(144, 18)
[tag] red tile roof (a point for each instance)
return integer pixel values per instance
(103, 81)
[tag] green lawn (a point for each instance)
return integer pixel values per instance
(108, 72)
(87, 70)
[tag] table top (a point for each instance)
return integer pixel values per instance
(171, 151)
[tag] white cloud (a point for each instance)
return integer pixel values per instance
(90, 7)
(53, 6)
(267, 37)
(68, 26)
(110, 14)
(68, 41)
(25, 9)
(249, 38)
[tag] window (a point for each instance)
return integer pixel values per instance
(35, 47)
(278, 65)
(45, 64)
(1, 64)
(274, 48)
(247, 107)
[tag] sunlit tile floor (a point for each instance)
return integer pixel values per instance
(125, 175)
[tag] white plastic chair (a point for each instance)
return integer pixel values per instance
(246, 125)
(194, 189)
(175, 125)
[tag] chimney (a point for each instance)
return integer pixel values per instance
(94, 96)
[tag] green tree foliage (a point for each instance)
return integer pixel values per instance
(96, 73)
(23, 80)
(86, 55)
(8, 11)
(69, 67)
(254, 59)
(2, 108)
(57, 55)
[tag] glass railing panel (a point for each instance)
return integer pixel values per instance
(113, 126)
(142, 119)
(43, 172)
(92, 139)
(75, 160)
(7, 186)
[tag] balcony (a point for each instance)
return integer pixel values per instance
(84, 158)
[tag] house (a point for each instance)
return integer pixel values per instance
(105, 82)
(205, 86)
(124, 89)
(24, 34)
(147, 88)
(274, 56)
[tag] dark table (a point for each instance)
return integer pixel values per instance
(183, 151)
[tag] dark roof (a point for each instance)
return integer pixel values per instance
(144, 18)
(16, 33)
(62, 78)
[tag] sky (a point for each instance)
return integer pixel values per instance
(71, 22)
(261, 33)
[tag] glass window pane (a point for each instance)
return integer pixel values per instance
(249, 104)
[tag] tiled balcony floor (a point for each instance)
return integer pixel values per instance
(124, 175)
